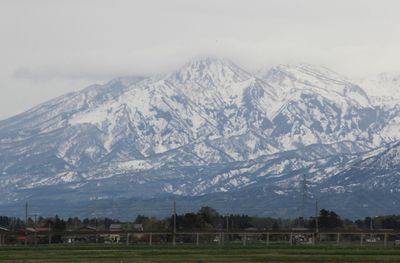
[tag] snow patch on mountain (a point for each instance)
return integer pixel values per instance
(204, 128)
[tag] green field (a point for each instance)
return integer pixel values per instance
(188, 253)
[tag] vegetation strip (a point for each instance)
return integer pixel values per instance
(251, 253)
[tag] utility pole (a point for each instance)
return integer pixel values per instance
(303, 189)
(227, 227)
(26, 223)
(370, 223)
(49, 233)
(370, 228)
(174, 231)
(97, 239)
(316, 215)
(35, 234)
(304, 195)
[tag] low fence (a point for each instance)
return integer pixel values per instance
(361, 238)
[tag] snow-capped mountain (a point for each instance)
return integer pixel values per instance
(384, 88)
(209, 127)
(378, 169)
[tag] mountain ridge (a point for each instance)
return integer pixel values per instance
(198, 130)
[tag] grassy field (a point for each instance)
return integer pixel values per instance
(188, 253)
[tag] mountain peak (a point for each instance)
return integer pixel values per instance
(210, 71)
(208, 61)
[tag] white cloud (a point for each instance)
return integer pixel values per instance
(52, 47)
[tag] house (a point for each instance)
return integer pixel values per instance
(115, 227)
(302, 235)
(87, 229)
(81, 234)
(114, 238)
(138, 227)
(300, 229)
(3, 233)
(33, 234)
(37, 230)
(250, 236)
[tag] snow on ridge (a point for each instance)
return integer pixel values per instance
(135, 165)
(208, 112)
(386, 85)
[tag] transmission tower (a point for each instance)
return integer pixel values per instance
(304, 189)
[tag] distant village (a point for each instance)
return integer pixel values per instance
(205, 225)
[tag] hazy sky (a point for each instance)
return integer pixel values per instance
(51, 47)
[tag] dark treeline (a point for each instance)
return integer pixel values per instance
(208, 218)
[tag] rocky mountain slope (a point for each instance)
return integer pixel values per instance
(207, 128)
